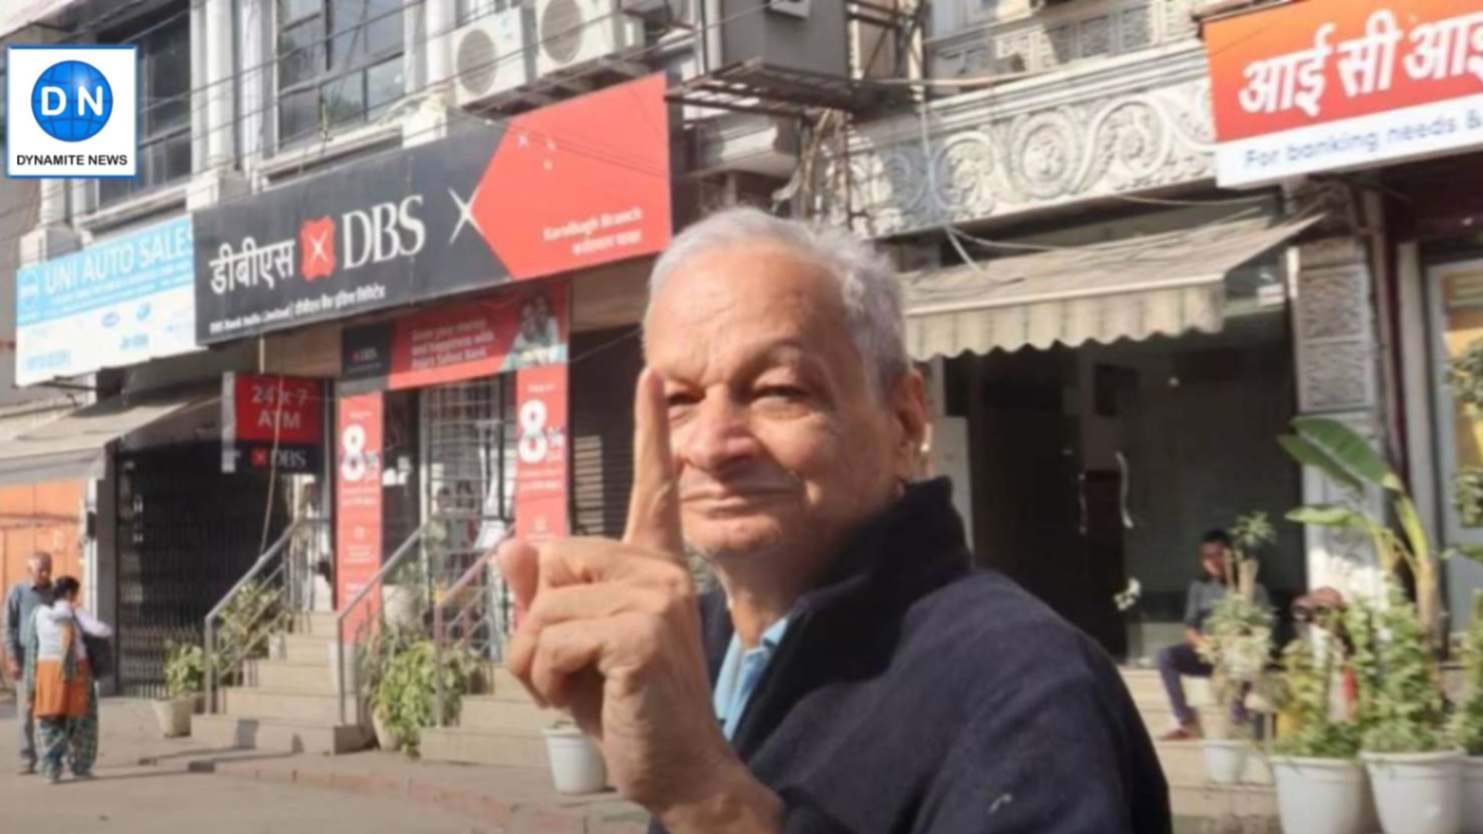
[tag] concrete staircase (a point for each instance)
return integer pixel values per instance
(287, 701)
(499, 728)
(1191, 794)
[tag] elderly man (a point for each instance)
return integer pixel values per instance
(852, 673)
(23, 599)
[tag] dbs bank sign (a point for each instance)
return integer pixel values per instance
(71, 111)
(576, 184)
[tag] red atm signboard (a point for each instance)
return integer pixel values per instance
(271, 422)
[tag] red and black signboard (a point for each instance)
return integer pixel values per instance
(271, 423)
(572, 185)
(521, 328)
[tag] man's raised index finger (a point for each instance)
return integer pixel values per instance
(654, 507)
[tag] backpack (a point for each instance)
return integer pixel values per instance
(100, 655)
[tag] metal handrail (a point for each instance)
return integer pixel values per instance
(480, 568)
(356, 601)
(257, 569)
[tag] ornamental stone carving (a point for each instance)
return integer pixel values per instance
(962, 167)
(991, 159)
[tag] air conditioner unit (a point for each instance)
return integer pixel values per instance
(663, 14)
(570, 33)
(491, 56)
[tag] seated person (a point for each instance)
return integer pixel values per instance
(1184, 658)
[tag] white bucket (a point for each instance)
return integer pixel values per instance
(577, 765)
(1225, 761)
(1417, 793)
(1321, 796)
(1472, 795)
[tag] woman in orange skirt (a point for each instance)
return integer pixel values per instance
(65, 703)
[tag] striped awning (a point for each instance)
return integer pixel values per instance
(75, 446)
(1168, 284)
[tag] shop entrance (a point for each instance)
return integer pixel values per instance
(1094, 465)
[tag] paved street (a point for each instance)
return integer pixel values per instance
(181, 787)
(127, 797)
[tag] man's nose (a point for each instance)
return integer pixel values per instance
(718, 434)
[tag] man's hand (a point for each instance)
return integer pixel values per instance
(612, 634)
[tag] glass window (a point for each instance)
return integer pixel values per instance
(301, 48)
(164, 109)
(339, 64)
(470, 10)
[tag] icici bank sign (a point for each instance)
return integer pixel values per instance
(1330, 85)
(442, 218)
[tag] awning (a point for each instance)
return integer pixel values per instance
(74, 446)
(1167, 283)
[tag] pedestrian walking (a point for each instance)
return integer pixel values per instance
(65, 701)
(20, 603)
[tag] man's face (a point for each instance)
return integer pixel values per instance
(1213, 557)
(40, 572)
(780, 444)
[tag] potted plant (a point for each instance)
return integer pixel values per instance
(1414, 770)
(577, 765)
(1321, 787)
(402, 593)
(1467, 721)
(1413, 766)
(405, 698)
(1238, 640)
(387, 641)
(185, 680)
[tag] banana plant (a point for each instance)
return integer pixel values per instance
(1346, 458)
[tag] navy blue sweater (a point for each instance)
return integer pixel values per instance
(911, 693)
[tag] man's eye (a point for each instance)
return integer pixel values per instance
(680, 399)
(782, 392)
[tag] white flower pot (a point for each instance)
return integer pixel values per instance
(386, 738)
(1472, 795)
(1321, 796)
(1417, 793)
(174, 715)
(1225, 761)
(577, 765)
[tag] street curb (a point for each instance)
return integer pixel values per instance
(508, 816)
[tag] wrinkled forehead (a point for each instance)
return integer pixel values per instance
(759, 285)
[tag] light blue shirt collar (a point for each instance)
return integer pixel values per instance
(740, 671)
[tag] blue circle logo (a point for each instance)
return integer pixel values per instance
(72, 101)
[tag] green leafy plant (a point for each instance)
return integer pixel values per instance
(405, 697)
(1465, 377)
(246, 621)
(1238, 632)
(1400, 696)
(1305, 697)
(1347, 459)
(1467, 720)
(185, 669)
(1467, 496)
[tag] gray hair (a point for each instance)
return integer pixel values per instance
(866, 278)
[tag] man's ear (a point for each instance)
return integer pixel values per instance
(908, 403)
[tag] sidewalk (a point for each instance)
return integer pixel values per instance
(496, 799)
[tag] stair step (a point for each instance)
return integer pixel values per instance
(317, 624)
(281, 674)
(308, 649)
(282, 704)
(1211, 800)
(461, 744)
(231, 731)
(491, 714)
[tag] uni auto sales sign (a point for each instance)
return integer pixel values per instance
(572, 185)
(1329, 85)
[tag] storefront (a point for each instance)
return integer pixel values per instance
(1383, 102)
(435, 291)
(1113, 402)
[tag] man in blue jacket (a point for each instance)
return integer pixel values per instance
(21, 601)
(852, 674)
